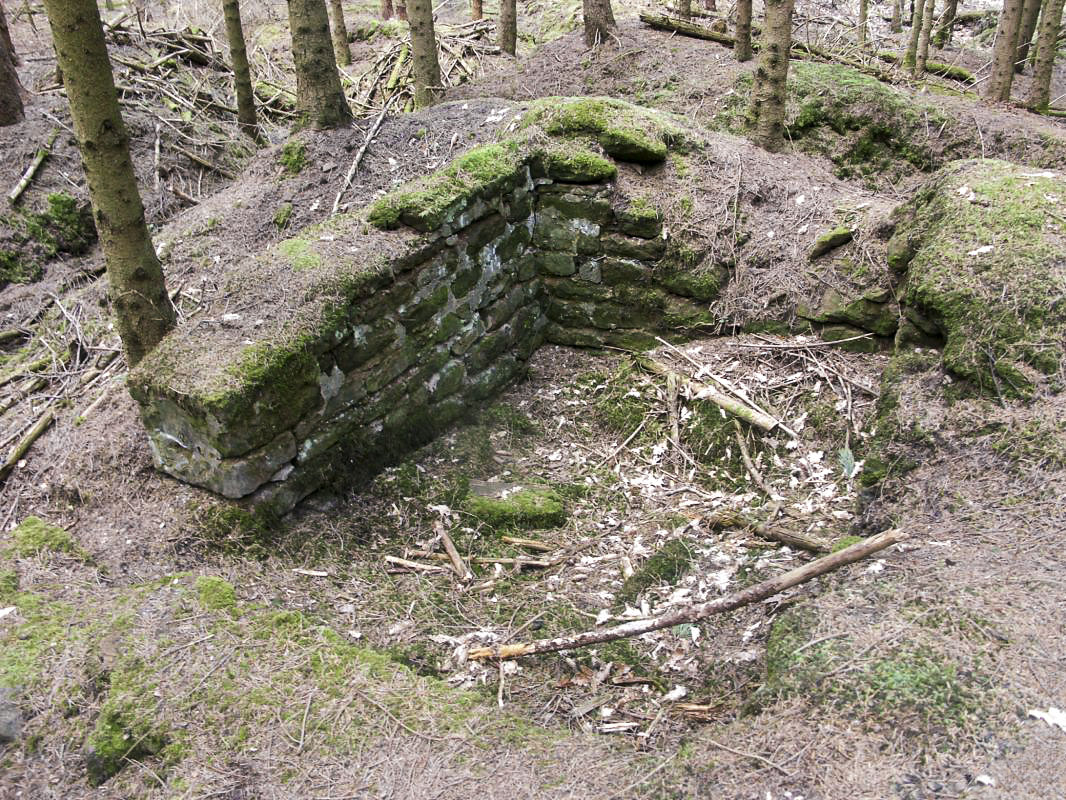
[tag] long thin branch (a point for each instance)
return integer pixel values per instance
(698, 611)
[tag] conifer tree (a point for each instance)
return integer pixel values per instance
(767, 112)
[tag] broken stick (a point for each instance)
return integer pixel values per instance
(359, 156)
(698, 611)
(31, 170)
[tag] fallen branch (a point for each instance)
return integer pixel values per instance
(413, 565)
(529, 544)
(359, 156)
(31, 170)
(20, 449)
(460, 567)
(702, 391)
(698, 611)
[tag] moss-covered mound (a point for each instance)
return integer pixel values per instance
(984, 249)
(871, 130)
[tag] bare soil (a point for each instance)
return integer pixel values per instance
(909, 676)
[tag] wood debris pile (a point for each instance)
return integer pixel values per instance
(460, 50)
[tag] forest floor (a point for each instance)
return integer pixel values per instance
(155, 641)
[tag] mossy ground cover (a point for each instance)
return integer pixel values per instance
(982, 246)
(63, 227)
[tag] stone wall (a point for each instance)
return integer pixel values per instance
(442, 322)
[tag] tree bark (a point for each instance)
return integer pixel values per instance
(340, 34)
(698, 611)
(599, 21)
(11, 110)
(684, 8)
(507, 27)
(242, 73)
(897, 16)
(1046, 50)
(425, 68)
(910, 55)
(386, 9)
(864, 15)
(5, 38)
(768, 94)
(477, 9)
(922, 57)
(743, 45)
(999, 81)
(947, 24)
(1030, 15)
(143, 312)
(401, 9)
(320, 100)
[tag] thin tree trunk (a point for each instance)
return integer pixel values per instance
(922, 57)
(743, 45)
(507, 27)
(684, 9)
(910, 55)
(143, 312)
(242, 74)
(386, 9)
(897, 16)
(5, 38)
(1046, 50)
(477, 9)
(424, 65)
(864, 15)
(320, 100)
(599, 21)
(401, 9)
(947, 24)
(11, 110)
(340, 34)
(767, 112)
(1030, 15)
(697, 611)
(998, 85)
(710, 5)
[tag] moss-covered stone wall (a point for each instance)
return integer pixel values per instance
(440, 319)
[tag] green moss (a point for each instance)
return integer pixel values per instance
(625, 131)
(34, 536)
(845, 542)
(528, 507)
(25, 646)
(640, 218)
(127, 728)
(233, 528)
(830, 240)
(983, 239)
(9, 584)
(63, 227)
(282, 216)
(666, 566)
(573, 163)
(430, 202)
(216, 594)
(293, 157)
(299, 253)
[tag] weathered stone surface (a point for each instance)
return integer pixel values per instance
(10, 717)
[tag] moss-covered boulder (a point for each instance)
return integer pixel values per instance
(983, 246)
(505, 506)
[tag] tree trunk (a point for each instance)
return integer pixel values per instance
(11, 110)
(386, 9)
(424, 65)
(507, 33)
(5, 38)
(143, 312)
(864, 15)
(477, 9)
(910, 55)
(922, 57)
(767, 113)
(401, 9)
(743, 45)
(1030, 15)
(999, 81)
(599, 21)
(897, 16)
(242, 74)
(320, 100)
(340, 34)
(1046, 50)
(710, 5)
(947, 24)
(684, 9)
